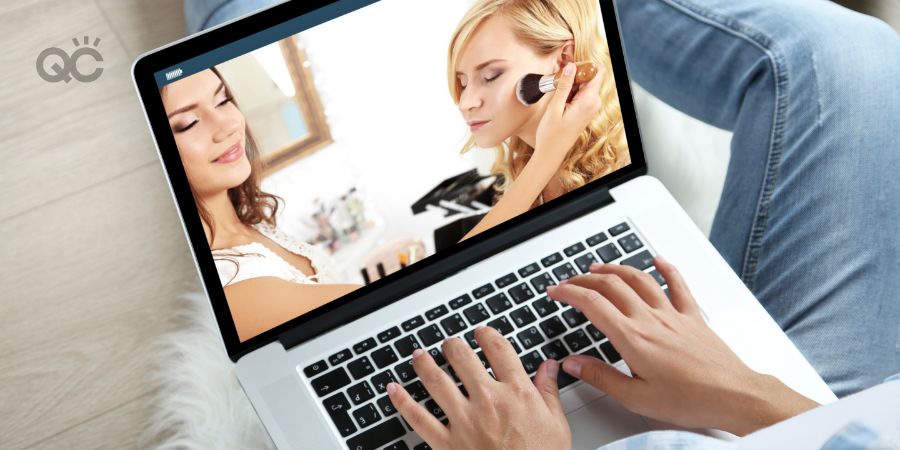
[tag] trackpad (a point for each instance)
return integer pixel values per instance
(601, 422)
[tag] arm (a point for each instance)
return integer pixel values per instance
(261, 303)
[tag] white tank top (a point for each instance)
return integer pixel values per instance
(260, 261)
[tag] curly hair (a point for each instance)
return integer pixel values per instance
(546, 26)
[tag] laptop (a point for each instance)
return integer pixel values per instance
(349, 172)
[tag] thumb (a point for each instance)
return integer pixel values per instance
(598, 374)
(563, 88)
(545, 381)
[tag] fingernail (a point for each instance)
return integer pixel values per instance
(570, 69)
(418, 352)
(391, 388)
(661, 259)
(596, 265)
(572, 366)
(552, 368)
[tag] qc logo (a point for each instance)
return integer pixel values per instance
(69, 67)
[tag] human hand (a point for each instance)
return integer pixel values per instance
(563, 121)
(682, 372)
(510, 412)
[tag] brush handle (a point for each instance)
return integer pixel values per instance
(585, 71)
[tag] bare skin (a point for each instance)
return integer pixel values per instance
(682, 372)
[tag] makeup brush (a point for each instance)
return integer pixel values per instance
(533, 86)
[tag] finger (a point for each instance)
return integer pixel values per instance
(603, 314)
(563, 88)
(641, 282)
(682, 299)
(601, 375)
(587, 96)
(466, 365)
(421, 421)
(546, 383)
(614, 289)
(438, 383)
(500, 354)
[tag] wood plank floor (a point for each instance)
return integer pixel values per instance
(93, 256)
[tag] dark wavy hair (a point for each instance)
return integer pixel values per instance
(250, 202)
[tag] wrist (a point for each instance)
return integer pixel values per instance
(765, 402)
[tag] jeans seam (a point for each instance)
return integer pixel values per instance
(758, 39)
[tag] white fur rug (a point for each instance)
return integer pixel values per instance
(199, 403)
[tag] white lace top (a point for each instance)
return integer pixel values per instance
(260, 261)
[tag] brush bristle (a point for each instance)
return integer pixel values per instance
(529, 91)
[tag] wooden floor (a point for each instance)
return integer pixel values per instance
(93, 256)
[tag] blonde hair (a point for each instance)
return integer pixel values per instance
(546, 26)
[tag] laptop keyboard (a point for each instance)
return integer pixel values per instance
(352, 386)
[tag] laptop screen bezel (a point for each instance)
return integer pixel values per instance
(148, 65)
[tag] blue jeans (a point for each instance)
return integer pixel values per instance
(809, 217)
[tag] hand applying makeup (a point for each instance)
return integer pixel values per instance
(511, 412)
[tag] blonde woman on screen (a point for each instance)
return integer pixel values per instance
(552, 147)
(268, 276)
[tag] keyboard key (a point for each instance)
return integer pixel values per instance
(430, 334)
(315, 368)
(340, 357)
(422, 446)
(640, 261)
(574, 249)
(389, 334)
(555, 350)
(483, 359)
(384, 356)
(364, 346)
(595, 333)
(584, 262)
(417, 390)
(476, 313)
(544, 306)
(596, 239)
(666, 291)
(434, 313)
(453, 324)
(377, 436)
(610, 352)
(564, 272)
(470, 338)
(413, 323)
(514, 344)
(608, 252)
(531, 361)
(630, 243)
(530, 338)
(360, 368)
(406, 345)
(577, 341)
(522, 316)
(659, 278)
(380, 381)
(330, 382)
(366, 416)
(386, 406)
(483, 290)
(434, 409)
(498, 303)
(460, 301)
(502, 325)
(521, 292)
(553, 327)
(437, 356)
(399, 445)
(405, 371)
(541, 282)
(551, 260)
(338, 408)
(360, 393)
(563, 379)
(619, 229)
(529, 270)
(506, 280)
(574, 317)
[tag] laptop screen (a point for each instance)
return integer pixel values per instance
(352, 143)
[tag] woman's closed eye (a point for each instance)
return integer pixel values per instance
(487, 80)
(191, 125)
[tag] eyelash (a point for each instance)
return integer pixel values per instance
(191, 125)
(487, 80)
